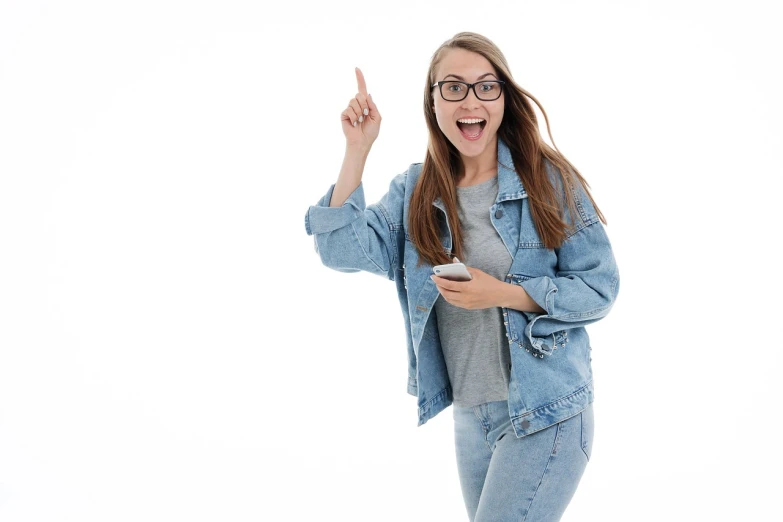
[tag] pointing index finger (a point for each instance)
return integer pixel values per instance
(360, 82)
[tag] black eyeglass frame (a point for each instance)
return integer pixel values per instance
(470, 86)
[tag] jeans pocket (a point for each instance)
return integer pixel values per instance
(588, 426)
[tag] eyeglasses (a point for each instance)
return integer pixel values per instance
(457, 91)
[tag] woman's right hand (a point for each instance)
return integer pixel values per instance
(361, 120)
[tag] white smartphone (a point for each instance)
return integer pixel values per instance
(453, 271)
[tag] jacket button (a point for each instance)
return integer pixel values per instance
(499, 213)
(525, 424)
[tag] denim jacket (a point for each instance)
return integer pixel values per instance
(551, 377)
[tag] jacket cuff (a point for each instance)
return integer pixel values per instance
(542, 290)
(321, 218)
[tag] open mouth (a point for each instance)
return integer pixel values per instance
(471, 128)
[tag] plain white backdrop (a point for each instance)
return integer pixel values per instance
(171, 347)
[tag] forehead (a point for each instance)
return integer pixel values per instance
(463, 63)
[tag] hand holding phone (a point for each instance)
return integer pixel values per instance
(453, 271)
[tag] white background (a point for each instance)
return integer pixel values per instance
(171, 347)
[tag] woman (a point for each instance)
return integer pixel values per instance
(507, 348)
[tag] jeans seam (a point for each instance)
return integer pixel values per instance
(553, 452)
(582, 435)
(484, 427)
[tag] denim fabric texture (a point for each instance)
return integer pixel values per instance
(576, 284)
(505, 478)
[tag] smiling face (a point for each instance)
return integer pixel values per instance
(470, 67)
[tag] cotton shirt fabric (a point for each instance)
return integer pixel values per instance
(474, 342)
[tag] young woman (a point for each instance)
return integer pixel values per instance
(508, 348)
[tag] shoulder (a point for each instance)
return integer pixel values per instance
(413, 172)
(404, 182)
(582, 200)
(393, 204)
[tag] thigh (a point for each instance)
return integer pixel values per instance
(533, 478)
(473, 454)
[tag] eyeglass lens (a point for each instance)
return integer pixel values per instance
(486, 91)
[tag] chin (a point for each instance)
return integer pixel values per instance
(472, 148)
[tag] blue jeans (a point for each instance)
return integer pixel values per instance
(510, 479)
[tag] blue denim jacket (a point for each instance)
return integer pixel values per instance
(551, 377)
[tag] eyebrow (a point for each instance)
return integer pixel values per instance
(463, 79)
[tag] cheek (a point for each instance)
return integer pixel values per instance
(442, 120)
(498, 119)
(497, 112)
(437, 119)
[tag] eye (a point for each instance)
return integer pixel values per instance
(454, 87)
(487, 87)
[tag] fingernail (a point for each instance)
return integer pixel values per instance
(354, 124)
(366, 112)
(361, 119)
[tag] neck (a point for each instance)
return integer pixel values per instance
(480, 167)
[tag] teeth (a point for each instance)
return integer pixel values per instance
(470, 120)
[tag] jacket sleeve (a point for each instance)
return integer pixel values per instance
(356, 237)
(585, 285)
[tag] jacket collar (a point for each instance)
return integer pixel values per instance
(509, 184)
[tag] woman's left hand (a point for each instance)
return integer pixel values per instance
(483, 291)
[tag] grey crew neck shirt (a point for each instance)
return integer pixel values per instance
(474, 342)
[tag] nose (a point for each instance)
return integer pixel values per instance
(471, 100)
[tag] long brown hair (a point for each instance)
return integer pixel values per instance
(519, 130)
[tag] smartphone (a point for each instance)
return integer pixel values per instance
(452, 271)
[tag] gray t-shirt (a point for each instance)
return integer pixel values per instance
(474, 342)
